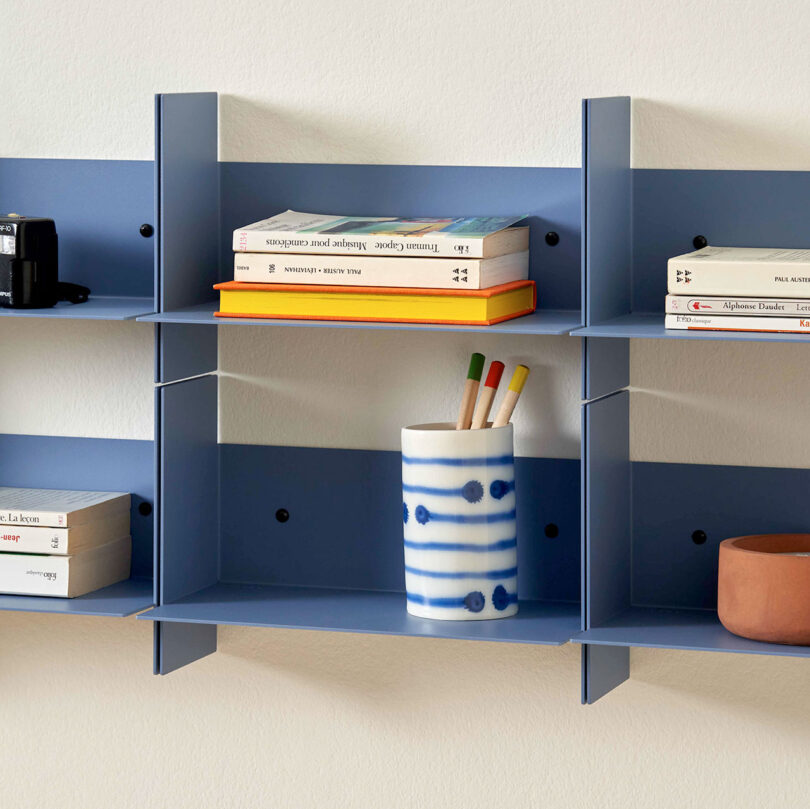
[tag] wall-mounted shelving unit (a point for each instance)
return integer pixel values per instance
(310, 538)
(651, 530)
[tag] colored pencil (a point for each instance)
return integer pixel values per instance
(465, 412)
(487, 395)
(512, 394)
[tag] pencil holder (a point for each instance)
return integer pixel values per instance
(459, 522)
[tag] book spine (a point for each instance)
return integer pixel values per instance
(372, 271)
(26, 539)
(744, 279)
(798, 325)
(23, 574)
(356, 244)
(761, 307)
(52, 519)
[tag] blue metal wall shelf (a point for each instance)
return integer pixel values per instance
(546, 321)
(621, 569)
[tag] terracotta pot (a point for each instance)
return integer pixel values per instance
(763, 592)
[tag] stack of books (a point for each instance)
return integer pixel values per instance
(739, 289)
(62, 543)
(319, 267)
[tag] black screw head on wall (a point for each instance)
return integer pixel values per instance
(551, 531)
(282, 515)
(146, 230)
(699, 242)
(552, 238)
(699, 537)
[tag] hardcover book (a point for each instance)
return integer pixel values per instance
(299, 302)
(464, 237)
(65, 576)
(744, 271)
(58, 508)
(381, 271)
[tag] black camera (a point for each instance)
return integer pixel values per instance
(29, 265)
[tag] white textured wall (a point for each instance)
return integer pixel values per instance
(282, 718)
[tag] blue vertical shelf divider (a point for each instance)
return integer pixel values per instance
(186, 267)
(606, 265)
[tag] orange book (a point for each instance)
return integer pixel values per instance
(473, 307)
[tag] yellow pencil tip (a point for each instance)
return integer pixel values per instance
(519, 378)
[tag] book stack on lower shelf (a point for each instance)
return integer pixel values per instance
(62, 543)
(471, 271)
(740, 289)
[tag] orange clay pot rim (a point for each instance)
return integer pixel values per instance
(731, 544)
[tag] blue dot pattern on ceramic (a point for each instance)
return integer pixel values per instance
(422, 515)
(405, 513)
(472, 491)
(500, 598)
(500, 488)
(474, 601)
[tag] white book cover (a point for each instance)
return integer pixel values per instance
(63, 541)
(381, 271)
(460, 237)
(744, 271)
(65, 576)
(57, 508)
(762, 307)
(798, 325)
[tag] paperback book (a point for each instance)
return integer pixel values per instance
(744, 271)
(762, 307)
(381, 271)
(464, 237)
(65, 576)
(58, 508)
(63, 541)
(798, 325)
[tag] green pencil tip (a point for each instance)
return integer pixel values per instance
(476, 367)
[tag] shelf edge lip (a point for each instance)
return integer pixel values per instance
(147, 616)
(582, 638)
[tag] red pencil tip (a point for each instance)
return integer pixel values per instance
(494, 375)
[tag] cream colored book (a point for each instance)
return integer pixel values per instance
(63, 541)
(65, 576)
(58, 508)
(754, 272)
(456, 237)
(381, 271)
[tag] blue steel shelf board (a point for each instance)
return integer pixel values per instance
(115, 601)
(97, 307)
(647, 325)
(690, 629)
(547, 321)
(364, 611)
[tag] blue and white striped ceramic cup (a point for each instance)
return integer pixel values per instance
(459, 521)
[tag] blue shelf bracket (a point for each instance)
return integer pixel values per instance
(187, 203)
(188, 525)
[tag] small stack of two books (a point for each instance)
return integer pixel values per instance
(62, 543)
(740, 289)
(321, 267)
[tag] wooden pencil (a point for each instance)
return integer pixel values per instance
(512, 395)
(487, 395)
(465, 412)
